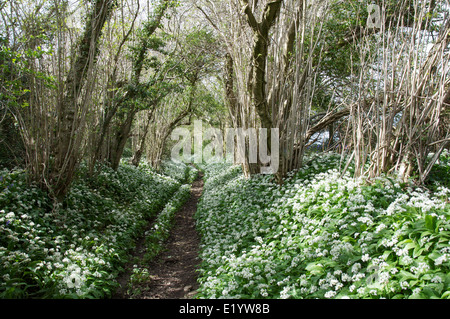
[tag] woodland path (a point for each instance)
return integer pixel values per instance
(173, 272)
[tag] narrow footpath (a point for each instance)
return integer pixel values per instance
(173, 272)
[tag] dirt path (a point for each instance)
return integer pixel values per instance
(173, 272)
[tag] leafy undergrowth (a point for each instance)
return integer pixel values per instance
(321, 235)
(77, 249)
(160, 231)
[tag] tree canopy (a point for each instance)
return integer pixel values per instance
(92, 81)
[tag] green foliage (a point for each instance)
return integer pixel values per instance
(12, 150)
(209, 106)
(340, 58)
(198, 54)
(139, 276)
(440, 173)
(181, 172)
(148, 56)
(76, 250)
(321, 235)
(16, 73)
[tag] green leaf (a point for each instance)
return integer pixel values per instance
(405, 275)
(417, 251)
(434, 255)
(446, 295)
(411, 245)
(430, 222)
(430, 293)
(315, 269)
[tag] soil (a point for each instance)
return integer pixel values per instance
(173, 272)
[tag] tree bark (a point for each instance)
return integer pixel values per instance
(138, 154)
(71, 108)
(327, 120)
(120, 139)
(259, 58)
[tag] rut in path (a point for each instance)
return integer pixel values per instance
(173, 272)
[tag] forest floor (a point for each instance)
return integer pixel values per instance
(172, 274)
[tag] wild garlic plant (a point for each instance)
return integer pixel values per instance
(322, 235)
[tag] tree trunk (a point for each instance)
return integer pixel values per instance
(138, 154)
(259, 58)
(120, 139)
(71, 108)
